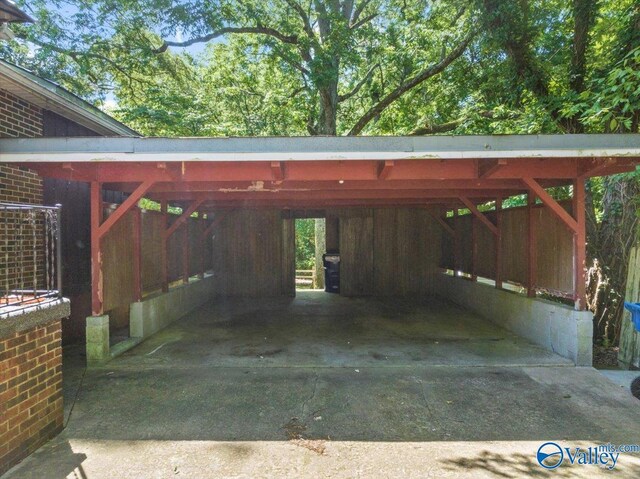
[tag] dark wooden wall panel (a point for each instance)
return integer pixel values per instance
(486, 248)
(356, 252)
(406, 251)
(248, 254)
(554, 251)
(117, 262)
(152, 226)
(288, 283)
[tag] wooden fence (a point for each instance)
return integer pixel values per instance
(553, 248)
(186, 244)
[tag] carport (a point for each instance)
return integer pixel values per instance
(412, 217)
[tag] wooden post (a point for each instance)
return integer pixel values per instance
(185, 252)
(137, 254)
(498, 239)
(531, 247)
(456, 243)
(474, 249)
(203, 245)
(96, 250)
(164, 258)
(580, 242)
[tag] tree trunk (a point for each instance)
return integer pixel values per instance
(321, 247)
(609, 248)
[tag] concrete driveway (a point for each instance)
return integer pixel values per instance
(323, 386)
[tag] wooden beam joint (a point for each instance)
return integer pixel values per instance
(487, 168)
(384, 169)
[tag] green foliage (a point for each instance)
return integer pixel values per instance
(305, 243)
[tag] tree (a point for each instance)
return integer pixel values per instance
(367, 53)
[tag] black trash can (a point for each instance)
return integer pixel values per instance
(331, 263)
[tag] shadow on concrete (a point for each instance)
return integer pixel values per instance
(517, 465)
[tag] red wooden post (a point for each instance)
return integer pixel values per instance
(202, 243)
(185, 252)
(164, 259)
(580, 241)
(96, 251)
(137, 254)
(531, 247)
(498, 239)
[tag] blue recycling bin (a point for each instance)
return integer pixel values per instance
(635, 313)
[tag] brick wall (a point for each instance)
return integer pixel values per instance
(18, 118)
(31, 410)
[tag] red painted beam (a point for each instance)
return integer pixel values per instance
(288, 185)
(241, 196)
(552, 204)
(478, 214)
(126, 205)
(333, 170)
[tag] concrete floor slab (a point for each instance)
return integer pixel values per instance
(317, 329)
(189, 408)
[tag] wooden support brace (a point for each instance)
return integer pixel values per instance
(445, 226)
(277, 169)
(486, 168)
(478, 214)
(552, 204)
(216, 221)
(183, 217)
(126, 205)
(385, 169)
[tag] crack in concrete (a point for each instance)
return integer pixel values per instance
(433, 417)
(309, 399)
